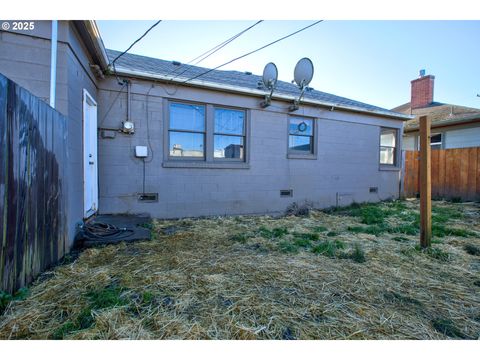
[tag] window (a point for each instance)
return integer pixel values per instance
(205, 136)
(186, 134)
(435, 141)
(229, 134)
(300, 136)
(388, 146)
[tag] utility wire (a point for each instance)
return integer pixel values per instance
(213, 50)
(253, 51)
(136, 41)
(111, 105)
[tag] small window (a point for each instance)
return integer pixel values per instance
(229, 134)
(187, 131)
(300, 136)
(435, 141)
(388, 146)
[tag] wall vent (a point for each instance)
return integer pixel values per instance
(286, 193)
(373, 190)
(148, 197)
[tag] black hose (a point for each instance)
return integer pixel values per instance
(99, 230)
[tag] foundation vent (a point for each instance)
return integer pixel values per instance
(148, 197)
(286, 193)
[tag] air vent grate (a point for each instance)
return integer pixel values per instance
(148, 197)
(286, 193)
(374, 190)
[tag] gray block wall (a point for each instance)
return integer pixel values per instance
(25, 58)
(347, 162)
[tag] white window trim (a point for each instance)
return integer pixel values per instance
(417, 140)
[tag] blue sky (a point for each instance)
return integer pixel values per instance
(369, 61)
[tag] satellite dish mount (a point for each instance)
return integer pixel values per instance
(303, 74)
(270, 76)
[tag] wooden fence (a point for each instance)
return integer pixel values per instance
(455, 173)
(33, 164)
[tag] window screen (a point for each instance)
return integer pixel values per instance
(300, 135)
(187, 130)
(388, 146)
(229, 134)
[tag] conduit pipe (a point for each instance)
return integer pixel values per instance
(53, 63)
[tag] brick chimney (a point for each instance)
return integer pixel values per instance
(422, 91)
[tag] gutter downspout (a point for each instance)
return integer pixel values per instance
(53, 63)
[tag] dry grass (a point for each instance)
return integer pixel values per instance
(263, 278)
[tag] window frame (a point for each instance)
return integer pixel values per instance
(208, 160)
(295, 154)
(395, 148)
(204, 132)
(243, 136)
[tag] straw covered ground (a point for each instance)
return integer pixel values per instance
(350, 273)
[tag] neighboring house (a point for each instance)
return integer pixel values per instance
(452, 126)
(212, 149)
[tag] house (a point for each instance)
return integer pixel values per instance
(153, 136)
(452, 126)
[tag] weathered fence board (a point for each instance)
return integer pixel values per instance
(455, 173)
(32, 177)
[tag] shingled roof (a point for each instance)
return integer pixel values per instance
(246, 81)
(440, 114)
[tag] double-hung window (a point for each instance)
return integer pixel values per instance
(388, 146)
(300, 136)
(186, 134)
(229, 134)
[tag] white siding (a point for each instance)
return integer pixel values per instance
(462, 138)
(409, 142)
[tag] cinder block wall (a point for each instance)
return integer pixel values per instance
(347, 161)
(25, 58)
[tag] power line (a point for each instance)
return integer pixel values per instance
(253, 51)
(213, 50)
(136, 41)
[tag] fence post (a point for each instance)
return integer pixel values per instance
(402, 176)
(425, 184)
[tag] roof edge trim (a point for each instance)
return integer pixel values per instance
(97, 41)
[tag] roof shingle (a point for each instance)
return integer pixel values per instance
(248, 81)
(440, 114)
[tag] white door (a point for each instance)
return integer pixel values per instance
(90, 171)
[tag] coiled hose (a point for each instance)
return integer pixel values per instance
(104, 231)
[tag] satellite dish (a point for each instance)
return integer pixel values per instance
(303, 73)
(270, 75)
(269, 78)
